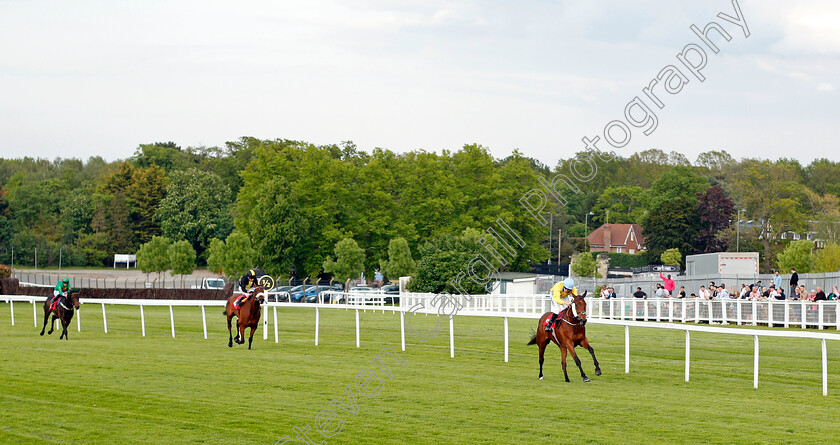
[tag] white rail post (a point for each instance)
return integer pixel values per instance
(204, 321)
(626, 349)
(172, 320)
(357, 329)
(803, 314)
(687, 353)
(276, 333)
(402, 330)
(104, 319)
(142, 321)
(452, 337)
(697, 310)
(824, 368)
(34, 313)
(79, 320)
(318, 323)
(265, 327)
(754, 313)
(755, 365)
(506, 340)
(820, 315)
(12, 310)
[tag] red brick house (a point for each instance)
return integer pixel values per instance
(618, 238)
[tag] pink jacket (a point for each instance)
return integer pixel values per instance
(669, 283)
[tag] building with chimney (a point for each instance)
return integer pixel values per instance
(617, 238)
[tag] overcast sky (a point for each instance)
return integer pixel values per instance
(84, 78)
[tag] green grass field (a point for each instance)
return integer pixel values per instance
(123, 388)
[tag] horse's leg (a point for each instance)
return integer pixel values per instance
(563, 353)
(585, 344)
(577, 362)
(52, 325)
(46, 318)
(64, 330)
(251, 338)
(542, 345)
(230, 334)
(240, 334)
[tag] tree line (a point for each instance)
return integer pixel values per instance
(286, 205)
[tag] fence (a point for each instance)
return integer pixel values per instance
(163, 282)
(687, 328)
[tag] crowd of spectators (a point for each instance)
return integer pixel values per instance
(752, 291)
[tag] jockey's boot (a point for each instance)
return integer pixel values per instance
(551, 321)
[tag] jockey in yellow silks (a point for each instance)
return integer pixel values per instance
(561, 297)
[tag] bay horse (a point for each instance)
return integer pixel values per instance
(64, 310)
(247, 316)
(568, 333)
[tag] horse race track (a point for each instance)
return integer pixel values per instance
(122, 388)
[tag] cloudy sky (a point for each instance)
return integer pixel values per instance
(86, 78)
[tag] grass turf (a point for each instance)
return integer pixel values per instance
(120, 387)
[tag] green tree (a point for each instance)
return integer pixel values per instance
(399, 263)
(797, 256)
(196, 208)
(442, 259)
(181, 259)
(672, 225)
(584, 264)
(671, 257)
(143, 195)
(827, 259)
(349, 260)
(239, 256)
(216, 256)
(626, 205)
(153, 256)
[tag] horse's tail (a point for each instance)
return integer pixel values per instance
(533, 340)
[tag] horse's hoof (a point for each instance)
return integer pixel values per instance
(597, 372)
(42, 333)
(541, 377)
(230, 345)
(586, 379)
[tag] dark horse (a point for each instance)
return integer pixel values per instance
(63, 311)
(568, 333)
(247, 316)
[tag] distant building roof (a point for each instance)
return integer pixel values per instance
(621, 235)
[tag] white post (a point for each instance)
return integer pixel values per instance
(276, 334)
(142, 321)
(12, 310)
(172, 320)
(804, 318)
(626, 349)
(506, 340)
(204, 321)
(755, 366)
(697, 311)
(79, 320)
(357, 329)
(265, 327)
(104, 319)
(318, 322)
(824, 368)
(754, 313)
(820, 315)
(402, 329)
(34, 313)
(452, 337)
(687, 353)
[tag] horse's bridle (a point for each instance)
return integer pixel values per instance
(575, 314)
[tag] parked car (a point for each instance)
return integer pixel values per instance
(281, 293)
(364, 289)
(322, 296)
(210, 283)
(392, 292)
(300, 294)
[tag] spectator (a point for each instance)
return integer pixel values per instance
(639, 293)
(794, 281)
(820, 295)
(754, 293)
(660, 291)
(745, 291)
(782, 295)
(702, 293)
(693, 295)
(774, 294)
(669, 284)
(604, 293)
(611, 293)
(682, 292)
(812, 296)
(722, 292)
(766, 294)
(760, 286)
(777, 280)
(713, 292)
(835, 294)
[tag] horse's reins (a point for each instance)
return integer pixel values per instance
(575, 313)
